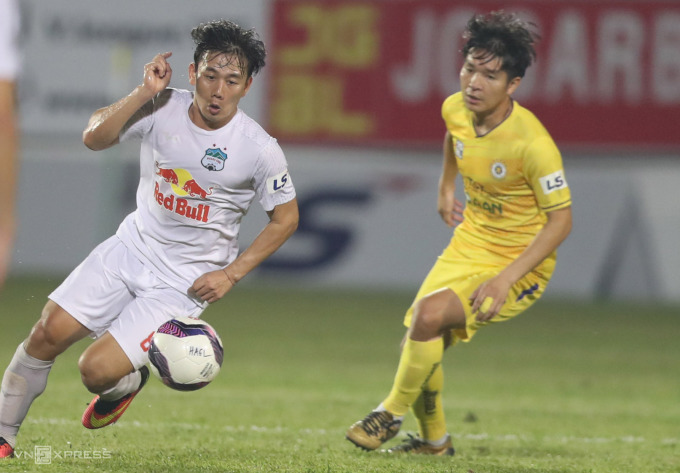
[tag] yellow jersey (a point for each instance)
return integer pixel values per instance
(512, 176)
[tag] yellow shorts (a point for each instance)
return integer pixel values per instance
(463, 276)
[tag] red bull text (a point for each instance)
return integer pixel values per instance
(181, 206)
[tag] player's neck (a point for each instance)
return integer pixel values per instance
(485, 122)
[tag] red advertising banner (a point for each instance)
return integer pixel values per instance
(377, 72)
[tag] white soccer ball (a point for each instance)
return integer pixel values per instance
(186, 354)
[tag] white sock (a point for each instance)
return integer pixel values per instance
(440, 442)
(126, 385)
(24, 380)
(381, 408)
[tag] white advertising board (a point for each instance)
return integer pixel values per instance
(80, 56)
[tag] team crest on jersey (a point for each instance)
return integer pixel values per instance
(214, 159)
(459, 149)
(498, 170)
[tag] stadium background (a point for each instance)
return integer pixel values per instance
(352, 91)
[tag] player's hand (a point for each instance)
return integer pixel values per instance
(157, 74)
(212, 286)
(450, 209)
(489, 297)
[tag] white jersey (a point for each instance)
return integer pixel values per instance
(9, 32)
(195, 187)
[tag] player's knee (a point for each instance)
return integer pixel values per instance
(427, 320)
(94, 374)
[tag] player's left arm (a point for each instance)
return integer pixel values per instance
(544, 170)
(283, 221)
(553, 233)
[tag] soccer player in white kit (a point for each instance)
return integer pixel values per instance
(202, 163)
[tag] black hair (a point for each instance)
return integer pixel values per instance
(226, 37)
(505, 36)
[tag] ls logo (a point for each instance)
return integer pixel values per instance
(278, 182)
(553, 182)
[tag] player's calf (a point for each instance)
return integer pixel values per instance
(102, 412)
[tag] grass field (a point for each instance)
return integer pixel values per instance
(566, 387)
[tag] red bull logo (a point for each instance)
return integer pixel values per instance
(193, 189)
(182, 184)
(168, 175)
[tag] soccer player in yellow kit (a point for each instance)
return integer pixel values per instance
(503, 251)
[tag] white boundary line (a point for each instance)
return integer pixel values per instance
(566, 439)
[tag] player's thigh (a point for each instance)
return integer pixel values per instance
(137, 323)
(446, 284)
(55, 331)
(436, 313)
(463, 277)
(96, 291)
(460, 277)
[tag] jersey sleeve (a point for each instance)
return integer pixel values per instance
(139, 124)
(544, 171)
(142, 121)
(272, 180)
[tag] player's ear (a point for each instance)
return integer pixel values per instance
(513, 84)
(192, 74)
(247, 88)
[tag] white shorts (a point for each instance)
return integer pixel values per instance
(111, 290)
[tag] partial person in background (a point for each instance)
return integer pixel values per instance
(9, 134)
(503, 252)
(203, 162)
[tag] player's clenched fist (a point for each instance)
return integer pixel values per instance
(157, 73)
(212, 286)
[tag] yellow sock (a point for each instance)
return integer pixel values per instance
(418, 362)
(428, 408)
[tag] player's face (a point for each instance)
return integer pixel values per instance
(484, 85)
(220, 83)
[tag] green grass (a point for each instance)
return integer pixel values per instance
(566, 387)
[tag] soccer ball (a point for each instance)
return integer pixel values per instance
(186, 354)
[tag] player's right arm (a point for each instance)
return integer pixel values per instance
(106, 123)
(449, 208)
